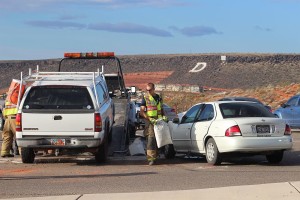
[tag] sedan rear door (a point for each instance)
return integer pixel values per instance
(201, 127)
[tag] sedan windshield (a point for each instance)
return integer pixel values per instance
(234, 110)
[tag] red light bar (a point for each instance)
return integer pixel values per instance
(105, 54)
(89, 55)
(72, 55)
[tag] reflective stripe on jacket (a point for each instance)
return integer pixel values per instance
(10, 109)
(153, 107)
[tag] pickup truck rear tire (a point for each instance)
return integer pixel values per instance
(213, 155)
(110, 135)
(169, 151)
(102, 153)
(27, 155)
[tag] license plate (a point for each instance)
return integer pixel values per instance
(58, 142)
(263, 129)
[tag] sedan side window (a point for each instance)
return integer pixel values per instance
(207, 113)
(191, 114)
(298, 102)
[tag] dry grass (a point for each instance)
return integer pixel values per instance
(269, 95)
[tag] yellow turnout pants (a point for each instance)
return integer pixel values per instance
(8, 134)
(151, 142)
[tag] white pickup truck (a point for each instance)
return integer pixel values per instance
(67, 111)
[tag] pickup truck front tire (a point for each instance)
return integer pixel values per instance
(27, 155)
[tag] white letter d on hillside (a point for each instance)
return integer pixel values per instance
(200, 65)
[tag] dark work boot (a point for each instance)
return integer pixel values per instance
(7, 155)
(16, 152)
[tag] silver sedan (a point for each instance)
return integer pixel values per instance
(219, 129)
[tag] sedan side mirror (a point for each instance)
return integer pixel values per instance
(176, 120)
(284, 105)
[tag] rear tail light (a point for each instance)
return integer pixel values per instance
(271, 110)
(173, 110)
(98, 122)
(288, 130)
(19, 122)
(233, 131)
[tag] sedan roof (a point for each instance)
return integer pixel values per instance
(239, 99)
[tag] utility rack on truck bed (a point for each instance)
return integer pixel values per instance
(38, 77)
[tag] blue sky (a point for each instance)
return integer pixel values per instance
(44, 29)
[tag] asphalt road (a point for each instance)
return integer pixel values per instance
(66, 175)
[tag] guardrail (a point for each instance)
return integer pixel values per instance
(171, 87)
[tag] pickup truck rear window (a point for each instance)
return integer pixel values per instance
(234, 110)
(58, 97)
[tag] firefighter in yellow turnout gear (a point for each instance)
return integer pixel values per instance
(9, 129)
(151, 109)
(9, 113)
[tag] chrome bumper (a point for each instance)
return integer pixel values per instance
(70, 143)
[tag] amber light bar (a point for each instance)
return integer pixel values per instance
(89, 55)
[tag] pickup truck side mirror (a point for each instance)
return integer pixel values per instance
(176, 120)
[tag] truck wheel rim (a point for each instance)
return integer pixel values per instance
(210, 151)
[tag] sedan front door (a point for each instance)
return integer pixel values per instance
(296, 113)
(182, 132)
(290, 112)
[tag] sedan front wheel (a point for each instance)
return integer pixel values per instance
(213, 155)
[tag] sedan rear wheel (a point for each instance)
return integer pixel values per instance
(275, 157)
(213, 155)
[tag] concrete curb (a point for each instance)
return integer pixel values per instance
(65, 197)
(271, 191)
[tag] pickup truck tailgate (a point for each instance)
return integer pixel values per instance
(58, 124)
